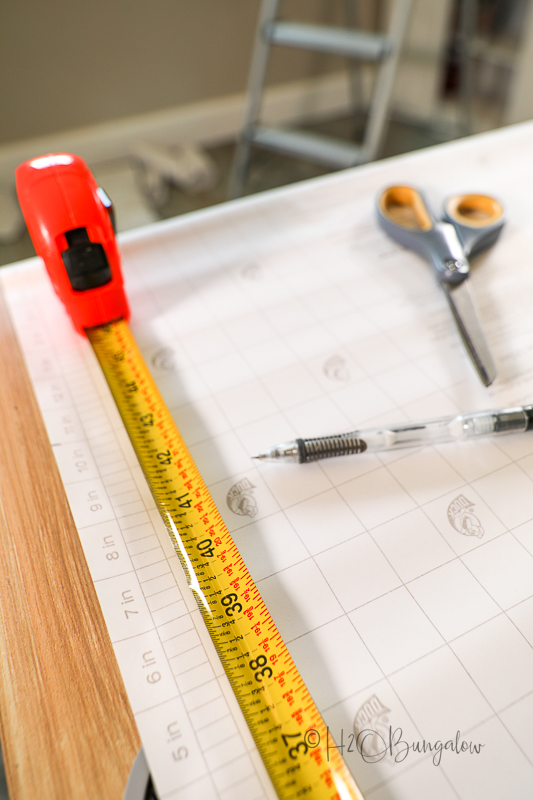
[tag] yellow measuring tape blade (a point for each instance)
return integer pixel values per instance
(287, 727)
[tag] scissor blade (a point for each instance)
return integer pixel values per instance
(467, 321)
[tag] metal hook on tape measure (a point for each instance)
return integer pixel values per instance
(139, 785)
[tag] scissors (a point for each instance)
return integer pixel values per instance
(471, 223)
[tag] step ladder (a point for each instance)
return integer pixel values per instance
(356, 45)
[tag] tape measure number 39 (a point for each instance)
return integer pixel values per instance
(69, 220)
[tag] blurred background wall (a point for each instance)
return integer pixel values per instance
(69, 63)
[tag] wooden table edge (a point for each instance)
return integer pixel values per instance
(66, 726)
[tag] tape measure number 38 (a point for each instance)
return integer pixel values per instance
(69, 220)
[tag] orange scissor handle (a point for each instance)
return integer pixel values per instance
(474, 210)
(478, 220)
(405, 207)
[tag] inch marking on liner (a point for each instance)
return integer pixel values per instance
(275, 701)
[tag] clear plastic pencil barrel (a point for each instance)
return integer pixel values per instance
(409, 434)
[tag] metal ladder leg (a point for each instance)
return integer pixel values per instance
(382, 90)
(255, 87)
(351, 17)
(467, 28)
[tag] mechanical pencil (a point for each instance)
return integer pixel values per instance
(408, 434)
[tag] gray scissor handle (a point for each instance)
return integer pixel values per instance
(406, 217)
